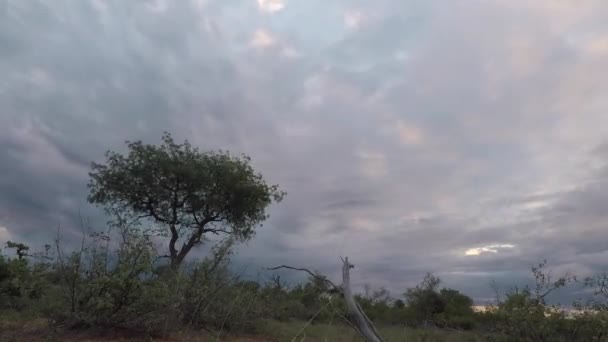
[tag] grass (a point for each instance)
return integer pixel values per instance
(32, 330)
(293, 331)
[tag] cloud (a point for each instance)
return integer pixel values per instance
(290, 52)
(486, 249)
(408, 135)
(271, 6)
(262, 39)
(373, 164)
(158, 6)
(405, 132)
(5, 235)
(352, 19)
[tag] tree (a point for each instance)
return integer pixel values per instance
(381, 295)
(599, 284)
(187, 193)
(446, 307)
(546, 284)
(424, 299)
(456, 303)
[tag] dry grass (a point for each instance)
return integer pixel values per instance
(270, 331)
(343, 333)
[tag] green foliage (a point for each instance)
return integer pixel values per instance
(187, 192)
(426, 304)
(524, 314)
(99, 286)
(20, 282)
(599, 285)
(117, 280)
(209, 296)
(424, 299)
(456, 303)
(20, 249)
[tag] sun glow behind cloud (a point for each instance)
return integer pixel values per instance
(487, 249)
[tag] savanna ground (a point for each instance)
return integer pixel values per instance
(267, 331)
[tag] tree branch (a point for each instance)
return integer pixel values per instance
(154, 214)
(193, 240)
(216, 231)
(174, 237)
(316, 276)
(361, 323)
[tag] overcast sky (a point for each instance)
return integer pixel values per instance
(465, 138)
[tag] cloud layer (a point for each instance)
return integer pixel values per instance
(412, 136)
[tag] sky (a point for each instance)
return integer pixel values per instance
(464, 138)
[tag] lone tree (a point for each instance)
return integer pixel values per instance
(189, 194)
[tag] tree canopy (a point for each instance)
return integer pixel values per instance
(427, 302)
(425, 298)
(186, 192)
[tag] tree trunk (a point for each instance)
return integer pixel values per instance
(363, 324)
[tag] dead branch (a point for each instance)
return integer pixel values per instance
(360, 323)
(314, 275)
(364, 325)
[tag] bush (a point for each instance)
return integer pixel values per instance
(20, 282)
(444, 308)
(103, 287)
(118, 280)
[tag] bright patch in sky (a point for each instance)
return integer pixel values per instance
(262, 39)
(408, 134)
(487, 249)
(352, 19)
(271, 5)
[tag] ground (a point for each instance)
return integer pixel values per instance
(38, 330)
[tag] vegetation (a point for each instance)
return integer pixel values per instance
(118, 281)
(184, 192)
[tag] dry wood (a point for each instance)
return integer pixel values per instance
(360, 322)
(364, 325)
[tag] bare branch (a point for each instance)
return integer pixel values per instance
(314, 275)
(361, 323)
(216, 231)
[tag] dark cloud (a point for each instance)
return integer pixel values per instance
(406, 133)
